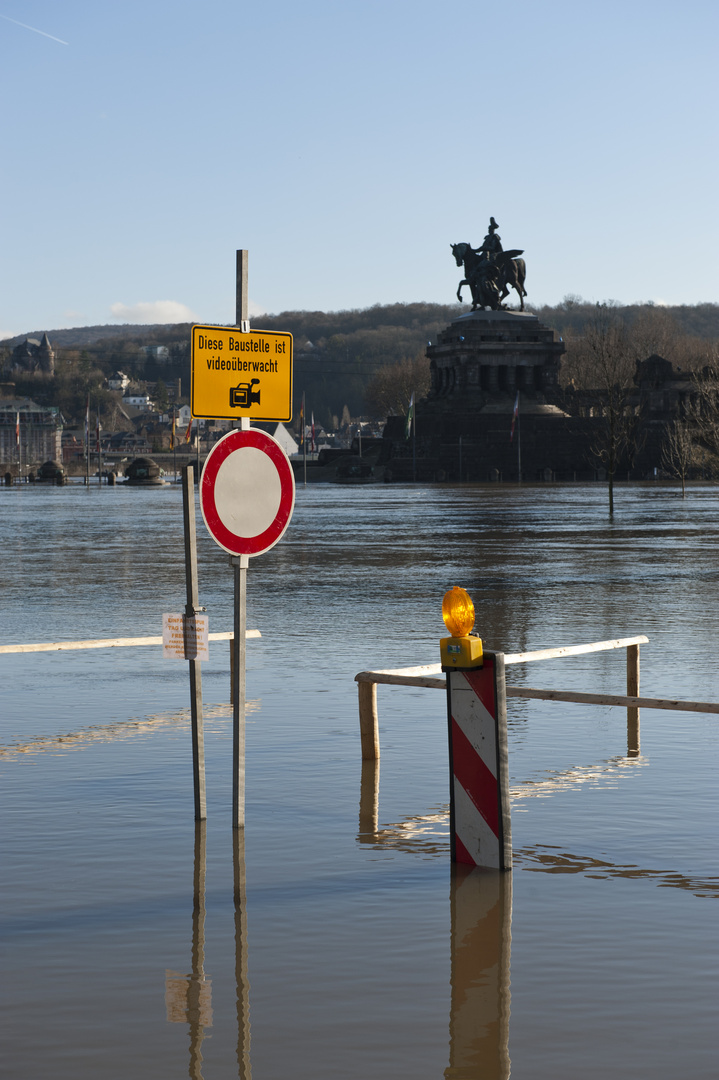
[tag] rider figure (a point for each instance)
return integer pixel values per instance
(492, 243)
(487, 272)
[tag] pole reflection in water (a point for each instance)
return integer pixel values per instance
(481, 906)
(243, 985)
(481, 937)
(188, 998)
(369, 802)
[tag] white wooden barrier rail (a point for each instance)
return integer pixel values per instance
(427, 676)
(615, 699)
(108, 643)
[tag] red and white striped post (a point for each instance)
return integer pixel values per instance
(480, 824)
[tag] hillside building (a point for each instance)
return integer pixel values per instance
(34, 357)
(118, 381)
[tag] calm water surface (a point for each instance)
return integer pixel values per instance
(352, 950)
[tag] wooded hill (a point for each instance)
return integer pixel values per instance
(336, 353)
(571, 316)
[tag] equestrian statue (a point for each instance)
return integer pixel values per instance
(490, 272)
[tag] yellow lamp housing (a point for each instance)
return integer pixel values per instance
(460, 650)
(458, 612)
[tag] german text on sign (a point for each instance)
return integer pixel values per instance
(185, 638)
(237, 374)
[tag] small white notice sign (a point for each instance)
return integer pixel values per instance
(185, 638)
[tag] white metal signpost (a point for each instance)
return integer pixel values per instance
(247, 490)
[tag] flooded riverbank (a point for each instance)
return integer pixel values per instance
(338, 943)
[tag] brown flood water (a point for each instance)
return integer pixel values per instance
(333, 939)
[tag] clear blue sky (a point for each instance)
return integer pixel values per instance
(346, 145)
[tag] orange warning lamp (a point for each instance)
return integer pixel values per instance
(460, 650)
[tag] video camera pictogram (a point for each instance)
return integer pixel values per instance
(243, 395)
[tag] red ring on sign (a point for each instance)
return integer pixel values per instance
(237, 440)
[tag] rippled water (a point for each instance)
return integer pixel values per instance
(338, 943)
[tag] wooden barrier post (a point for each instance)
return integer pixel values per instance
(480, 823)
(369, 720)
(632, 691)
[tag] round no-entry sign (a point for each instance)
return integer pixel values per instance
(247, 492)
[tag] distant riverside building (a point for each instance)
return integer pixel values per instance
(34, 357)
(40, 432)
(141, 402)
(158, 352)
(125, 442)
(118, 381)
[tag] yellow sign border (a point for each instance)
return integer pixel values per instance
(235, 332)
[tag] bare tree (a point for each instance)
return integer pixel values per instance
(389, 391)
(703, 407)
(601, 365)
(655, 332)
(678, 451)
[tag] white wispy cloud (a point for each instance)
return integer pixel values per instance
(155, 311)
(35, 30)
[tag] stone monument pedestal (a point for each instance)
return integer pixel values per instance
(463, 426)
(486, 353)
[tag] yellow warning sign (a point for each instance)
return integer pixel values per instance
(237, 374)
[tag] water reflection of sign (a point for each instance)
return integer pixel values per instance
(188, 997)
(237, 374)
(185, 638)
(188, 1000)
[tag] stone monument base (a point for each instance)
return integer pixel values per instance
(481, 366)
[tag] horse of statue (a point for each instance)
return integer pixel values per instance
(486, 277)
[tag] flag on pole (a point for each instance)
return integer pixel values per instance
(410, 417)
(515, 414)
(313, 433)
(188, 433)
(302, 421)
(17, 429)
(172, 432)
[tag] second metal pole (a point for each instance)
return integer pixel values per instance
(239, 564)
(191, 609)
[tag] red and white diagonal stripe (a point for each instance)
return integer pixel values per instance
(474, 767)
